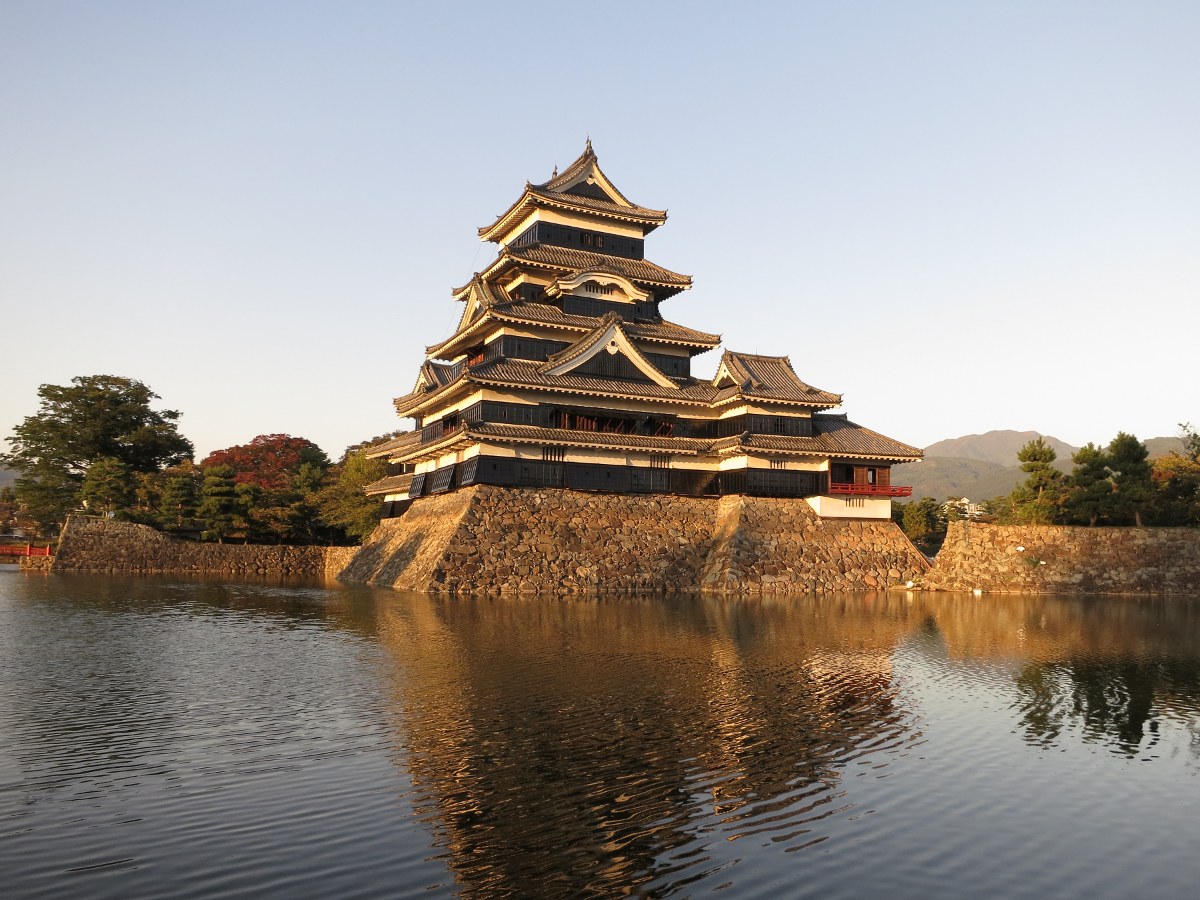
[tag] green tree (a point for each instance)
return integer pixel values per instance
(220, 507)
(1036, 500)
(8, 509)
(1133, 488)
(108, 486)
(179, 500)
(343, 504)
(277, 478)
(95, 417)
(1089, 494)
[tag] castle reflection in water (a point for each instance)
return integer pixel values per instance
(605, 743)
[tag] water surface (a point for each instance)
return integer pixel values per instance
(167, 738)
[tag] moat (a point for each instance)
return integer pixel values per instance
(169, 738)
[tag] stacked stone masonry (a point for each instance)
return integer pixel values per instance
(1067, 559)
(106, 546)
(487, 539)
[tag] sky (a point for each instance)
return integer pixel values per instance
(962, 217)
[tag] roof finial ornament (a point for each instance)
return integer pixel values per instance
(554, 174)
(588, 149)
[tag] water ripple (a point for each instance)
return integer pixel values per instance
(196, 739)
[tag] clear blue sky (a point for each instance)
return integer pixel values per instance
(963, 216)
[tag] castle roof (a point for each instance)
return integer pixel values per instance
(766, 378)
(392, 484)
(833, 435)
(522, 313)
(581, 187)
(569, 261)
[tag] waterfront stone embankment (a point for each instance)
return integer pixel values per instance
(1067, 559)
(95, 545)
(485, 539)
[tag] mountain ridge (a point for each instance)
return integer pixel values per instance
(983, 466)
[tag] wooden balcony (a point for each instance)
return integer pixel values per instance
(869, 490)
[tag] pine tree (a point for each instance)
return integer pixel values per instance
(108, 486)
(219, 502)
(179, 501)
(1133, 488)
(1089, 496)
(1036, 501)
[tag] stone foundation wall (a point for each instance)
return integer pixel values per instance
(1067, 559)
(485, 539)
(35, 563)
(106, 546)
(781, 546)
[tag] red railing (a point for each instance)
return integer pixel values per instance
(27, 550)
(870, 490)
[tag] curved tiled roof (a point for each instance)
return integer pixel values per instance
(662, 332)
(403, 440)
(568, 259)
(833, 435)
(392, 484)
(529, 313)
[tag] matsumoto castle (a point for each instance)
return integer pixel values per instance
(563, 373)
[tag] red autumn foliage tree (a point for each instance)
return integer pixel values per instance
(270, 461)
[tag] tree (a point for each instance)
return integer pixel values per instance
(108, 486)
(270, 461)
(1176, 479)
(343, 504)
(179, 499)
(220, 507)
(95, 417)
(277, 477)
(1133, 489)
(8, 509)
(1191, 441)
(1177, 488)
(1089, 495)
(1035, 501)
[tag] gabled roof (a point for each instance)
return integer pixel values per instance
(608, 337)
(479, 296)
(435, 375)
(767, 378)
(583, 187)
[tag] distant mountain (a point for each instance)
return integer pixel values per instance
(947, 476)
(983, 466)
(999, 447)
(1161, 446)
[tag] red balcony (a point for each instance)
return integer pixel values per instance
(870, 490)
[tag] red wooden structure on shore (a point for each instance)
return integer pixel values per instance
(27, 550)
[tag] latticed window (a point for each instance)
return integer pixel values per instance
(553, 454)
